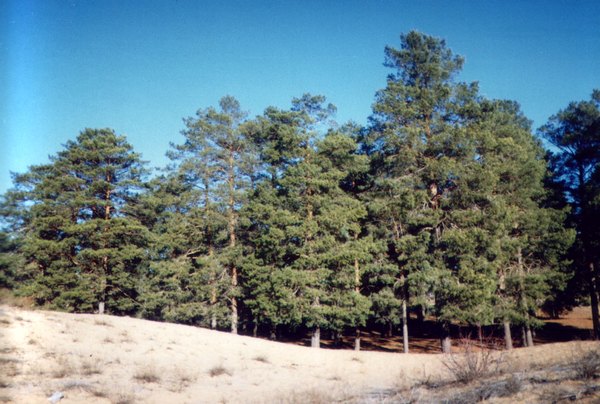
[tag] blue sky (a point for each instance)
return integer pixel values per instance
(139, 67)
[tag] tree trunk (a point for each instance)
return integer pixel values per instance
(105, 266)
(445, 338)
(231, 222)
(255, 329)
(213, 303)
(357, 290)
(421, 314)
(507, 335)
(404, 326)
(103, 289)
(524, 335)
(528, 335)
(315, 340)
(234, 303)
(593, 279)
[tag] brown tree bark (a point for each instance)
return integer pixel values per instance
(507, 335)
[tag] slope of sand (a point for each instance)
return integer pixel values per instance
(106, 359)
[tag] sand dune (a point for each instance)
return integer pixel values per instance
(106, 359)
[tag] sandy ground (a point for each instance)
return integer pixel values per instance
(106, 359)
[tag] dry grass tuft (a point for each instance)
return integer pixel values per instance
(125, 338)
(90, 367)
(219, 370)
(261, 358)
(9, 366)
(121, 397)
(475, 363)
(147, 374)
(78, 385)
(586, 364)
(102, 322)
(63, 368)
(182, 379)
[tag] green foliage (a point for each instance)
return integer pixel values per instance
(575, 134)
(198, 205)
(10, 262)
(79, 243)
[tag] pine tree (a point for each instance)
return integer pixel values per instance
(217, 159)
(184, 282)
(79, 242)
(575, 133)
(522, 240)
(268, 295)
(305, 226)
(410, 130)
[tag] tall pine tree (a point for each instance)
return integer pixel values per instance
(82, 246)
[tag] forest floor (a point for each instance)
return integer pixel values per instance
(106, 359)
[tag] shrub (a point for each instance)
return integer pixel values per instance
(474, 363)
(586, 364)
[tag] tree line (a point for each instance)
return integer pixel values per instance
(445, 205)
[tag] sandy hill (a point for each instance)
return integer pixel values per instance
(106, 359)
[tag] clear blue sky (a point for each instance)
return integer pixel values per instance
(139, 67)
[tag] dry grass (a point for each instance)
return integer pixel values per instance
(90, 367)
(147, 374)
(318, 396)
(261, 358)
(64, 367)
(78, 385)
(102, 322)
(9, 367)
(586, 364)
(182, 379)
(475, 363)
(122, 397)
(125, 338)
(219, 370)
